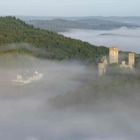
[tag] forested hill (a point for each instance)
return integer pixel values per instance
(43, 43)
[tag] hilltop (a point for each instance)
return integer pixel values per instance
(92, 23)
(42, 43)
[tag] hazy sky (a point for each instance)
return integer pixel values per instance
(70, 7)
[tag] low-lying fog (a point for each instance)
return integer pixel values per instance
(70, 102)
(123, 38)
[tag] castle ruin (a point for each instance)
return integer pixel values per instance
(114, 59)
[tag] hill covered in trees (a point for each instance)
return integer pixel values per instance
(43, 43)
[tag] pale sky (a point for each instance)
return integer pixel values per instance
(70, 7)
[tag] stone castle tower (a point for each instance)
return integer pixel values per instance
(102, 65)
(131, 59)
(101, 69)
(113, 55)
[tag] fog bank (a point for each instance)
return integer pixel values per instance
(70, 102)
(124, 38)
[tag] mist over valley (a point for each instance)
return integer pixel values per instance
(69, 102)
(125, 39)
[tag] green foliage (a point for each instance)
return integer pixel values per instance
(51, 44)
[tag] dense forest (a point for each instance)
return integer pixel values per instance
(44, 43)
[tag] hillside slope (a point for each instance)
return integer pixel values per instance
(44, 43)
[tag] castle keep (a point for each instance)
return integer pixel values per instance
(113, 55)
(131, 59)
